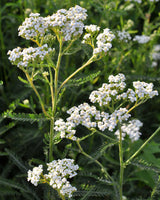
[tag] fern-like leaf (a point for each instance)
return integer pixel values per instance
(145, 165)
(17, 161)
(12, 184)
(4, 129)
(25, 117)
(80, 81)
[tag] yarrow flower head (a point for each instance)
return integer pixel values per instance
(137, 1)
(141, 39)
(144, 90)
(33, 27)
(104, 41)
(58, 173)
(92, 28)
(26, 56)
(107, 92)
(123, 36)
(155, 55)
(131, 129)
(68, 22)
(35, 174)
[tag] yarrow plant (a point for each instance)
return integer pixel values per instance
(109, 117)
(37, 63)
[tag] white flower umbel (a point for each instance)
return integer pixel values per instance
(92, 28)
(153, 0)
(58, 172)
(144, 90)
(24, 57)
(33, 27)
(131, 129)
(84, 114)
(141, 39)
(104, 42)
(35, 174)
(123, 36)
(129, 95)
(110, 121)
(107, 92)
(137, 1)
(107, 96)
(68, 22)
(66, 129)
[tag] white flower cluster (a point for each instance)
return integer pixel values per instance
(22, 57)
(66, 129)
(59, 171)
(110, 121)
(123, 35)
(104, 41)
(155, 55)
(34, 175)
(91, 32)
(153, 0)
(131, 129)
(144, 90)
(128, 95)
(107, 92)
(68, 22)
(89, 117)
(33, 27)
(137, 1)
(83, 114)
(92, 28)
(140, 1)
(141, 39)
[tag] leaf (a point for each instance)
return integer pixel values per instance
(22, 80)
(17, 161)
(2, 141)
(6, 128)
(80, 81)
(12, 184)
(25, 117)
(57, 139)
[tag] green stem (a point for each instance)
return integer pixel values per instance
(121, 164)
(143, 145)
(68, 47)
(79, 69)
(101, 166)
(51, 87)
(51, 140)
(37, 93)
(96, 161)
(62, 197)
(54, 99)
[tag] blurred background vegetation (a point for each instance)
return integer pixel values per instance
(22, 144)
